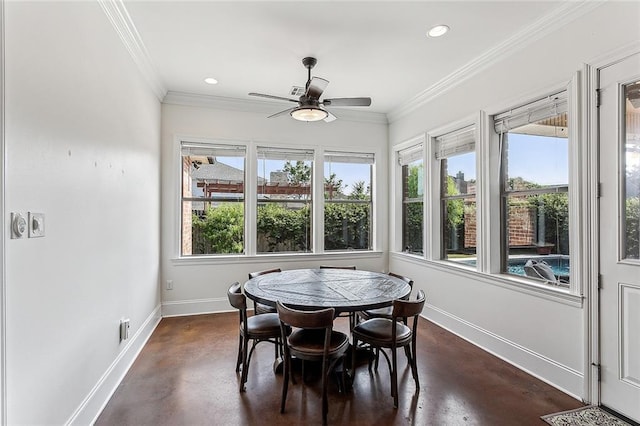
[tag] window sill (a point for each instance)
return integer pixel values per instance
(507, 281)
(291, 257)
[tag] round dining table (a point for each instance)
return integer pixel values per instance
(345, 290)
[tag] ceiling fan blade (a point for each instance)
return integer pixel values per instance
(316, 87)
(278, 114)
(330, 117)
(347, 102)
(280, 98)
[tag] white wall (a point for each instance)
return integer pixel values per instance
(82, 147)
(201, 285)
(543, 336)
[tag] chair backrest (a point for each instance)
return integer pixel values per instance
(405, 279)
(268, 271)
(337, 267)
(236, 298)
(305, 319)
(408, 308)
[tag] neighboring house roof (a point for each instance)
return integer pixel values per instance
(219, 172)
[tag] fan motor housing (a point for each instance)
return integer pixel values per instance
(309, 62)
(307, 101)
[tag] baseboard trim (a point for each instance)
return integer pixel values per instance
(91, 407)
(561, 377)
(195, 307)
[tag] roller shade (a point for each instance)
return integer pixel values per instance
(409, 155)
(534, 112)
(285, 154)
(348, 157)
(455, 143)
(210, 150)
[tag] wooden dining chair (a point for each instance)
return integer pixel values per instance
(312, 339)
(392, 333)
(257, 328)
(261, 308)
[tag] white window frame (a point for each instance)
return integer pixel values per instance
(492, 226)
(206, 145)
(250, 202)
(306, 154)
(353, 157)
(407, 149)
(462, 140)
(546, 107)
(488, 198)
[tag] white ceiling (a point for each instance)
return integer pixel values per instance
(377, 49)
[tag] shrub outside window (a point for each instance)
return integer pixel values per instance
(456, 153)
(412, 166)
(212, 199)
(284, 202)
(535, 183)
(347, 201)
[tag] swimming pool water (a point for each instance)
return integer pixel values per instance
(559, 264)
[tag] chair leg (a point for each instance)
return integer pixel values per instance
(239, 353)
(325, 402)
(353, 358)
(253, 346)
(414, 365)
(285, 384)
(407, 352)
(394, 377)
(245, 364)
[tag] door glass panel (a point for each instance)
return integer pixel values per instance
(631, 167)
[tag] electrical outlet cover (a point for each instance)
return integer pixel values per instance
(36, 225)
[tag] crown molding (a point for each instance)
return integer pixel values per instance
(262, 107)
(124, 26)
(562, 15)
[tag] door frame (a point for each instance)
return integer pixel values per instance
(3, 293)
(590, 128)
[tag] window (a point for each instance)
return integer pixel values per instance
(412, 164)
(534, 187)
(347, 201)
(631, 208)
(456, 153)
(212, 199)
(284, 213)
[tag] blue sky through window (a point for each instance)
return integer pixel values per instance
(539, 159)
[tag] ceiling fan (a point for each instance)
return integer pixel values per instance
(310, 107)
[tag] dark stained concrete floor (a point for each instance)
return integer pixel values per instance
(185, 375)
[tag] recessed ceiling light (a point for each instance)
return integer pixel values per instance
(210, 80)
(438, 30)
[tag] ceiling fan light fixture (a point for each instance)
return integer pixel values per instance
(309, 113)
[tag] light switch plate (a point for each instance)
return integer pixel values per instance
(36, 225)
(18, 225)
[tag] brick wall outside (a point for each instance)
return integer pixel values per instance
(522, 225)
(470, 228)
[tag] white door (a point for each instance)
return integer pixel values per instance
(619, 153)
